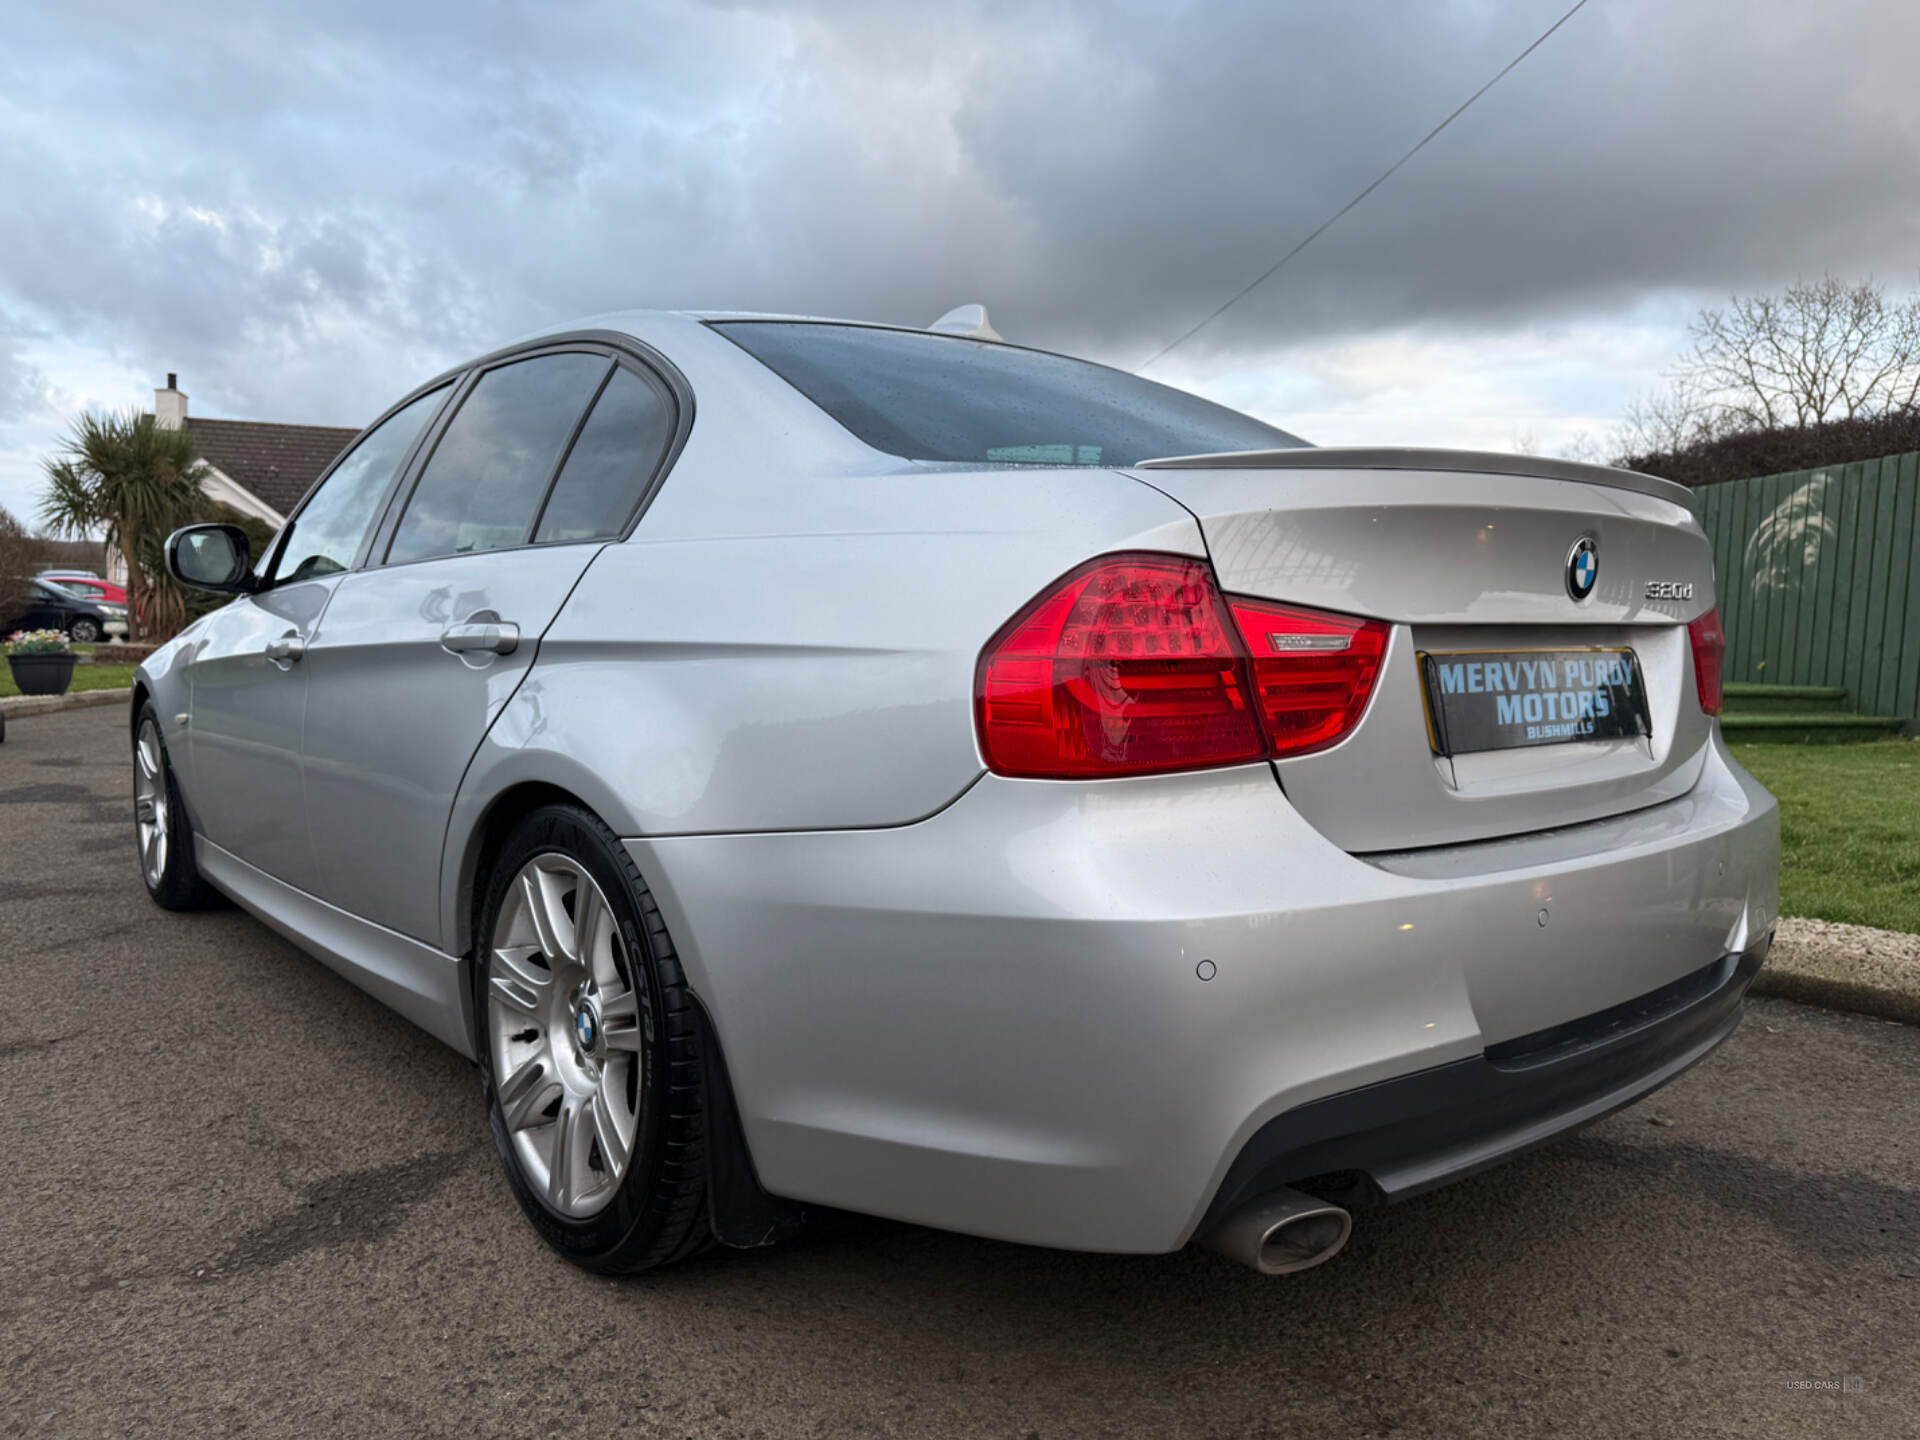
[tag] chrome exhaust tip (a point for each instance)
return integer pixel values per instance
(1281, 1233)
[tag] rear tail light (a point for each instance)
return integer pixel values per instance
(1127, 666)
(1134, 664)
(1709, 643)
(1312, 672)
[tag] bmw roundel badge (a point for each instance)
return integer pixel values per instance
(1583, 567)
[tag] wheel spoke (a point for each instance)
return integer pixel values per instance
(572, 1139)
(526, 1094)
(540, 894)
(557, 1157)
(593, 935)
(143, 809)
(147, 754)
(517, 981)
(516, 996)
(518, 962)
(613, 1149)
(620, 1021)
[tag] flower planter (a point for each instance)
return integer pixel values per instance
(41, 674)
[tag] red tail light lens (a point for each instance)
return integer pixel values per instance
(1312, 672)
(1133, 664)
(1127, 666)
(1709, 658)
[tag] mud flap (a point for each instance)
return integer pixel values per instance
(743, 1215)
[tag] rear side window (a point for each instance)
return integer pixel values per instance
(610, 464)
(947, 397)
(325, 536)
(483, 485)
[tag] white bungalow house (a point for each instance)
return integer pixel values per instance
(258, 468)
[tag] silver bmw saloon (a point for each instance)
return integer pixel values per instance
(821, 765)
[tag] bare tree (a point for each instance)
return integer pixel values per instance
(1582, 446)
(19, 558)
(1821, 350)
(1669, 420)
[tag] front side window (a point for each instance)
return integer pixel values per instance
(488, 473)
(325, 535)
(947, 397)
(618, 450)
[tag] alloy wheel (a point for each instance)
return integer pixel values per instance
(151, 810)
(566, 1041)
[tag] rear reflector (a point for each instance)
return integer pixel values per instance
(1134, 664)
(1709, 656)
(1312, 672)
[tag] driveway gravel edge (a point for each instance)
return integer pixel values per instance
(13, 707)
(1845, 967)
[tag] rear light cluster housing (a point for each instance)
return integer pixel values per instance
(1709, 641)
(1136, 664)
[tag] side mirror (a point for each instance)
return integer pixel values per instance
(211, 557)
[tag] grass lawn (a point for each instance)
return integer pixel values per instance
(1849, 829)
(85, 677)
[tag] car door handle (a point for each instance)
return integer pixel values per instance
(287, 649)
(502, 637)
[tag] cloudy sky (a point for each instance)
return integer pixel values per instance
(305, 210)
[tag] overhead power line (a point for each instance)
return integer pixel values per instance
(1385, 175)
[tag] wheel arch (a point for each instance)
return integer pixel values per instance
(740, 1211)
(483, 840)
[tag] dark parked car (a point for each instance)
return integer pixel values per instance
(49, 607)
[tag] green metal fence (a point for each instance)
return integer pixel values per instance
(1819, 579)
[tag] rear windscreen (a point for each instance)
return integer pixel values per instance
(946, 397)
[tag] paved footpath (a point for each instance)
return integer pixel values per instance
(240, 1197)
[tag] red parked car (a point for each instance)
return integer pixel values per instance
(90, 586)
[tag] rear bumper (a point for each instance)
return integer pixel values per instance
(995, 1020)
(1398, 1138)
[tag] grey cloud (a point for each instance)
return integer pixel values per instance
(382, 188)
(23, 387)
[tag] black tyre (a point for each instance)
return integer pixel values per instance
(83, 631)
(589, 1047)
(162, 834)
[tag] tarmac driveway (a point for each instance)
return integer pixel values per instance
(240, 1197)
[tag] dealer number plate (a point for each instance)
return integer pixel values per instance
(1509, 699)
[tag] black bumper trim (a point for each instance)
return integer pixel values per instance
(1419, 1131)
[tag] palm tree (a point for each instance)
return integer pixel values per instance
(122, 473)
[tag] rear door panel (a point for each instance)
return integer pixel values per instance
(394, 714)
(393, 718)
